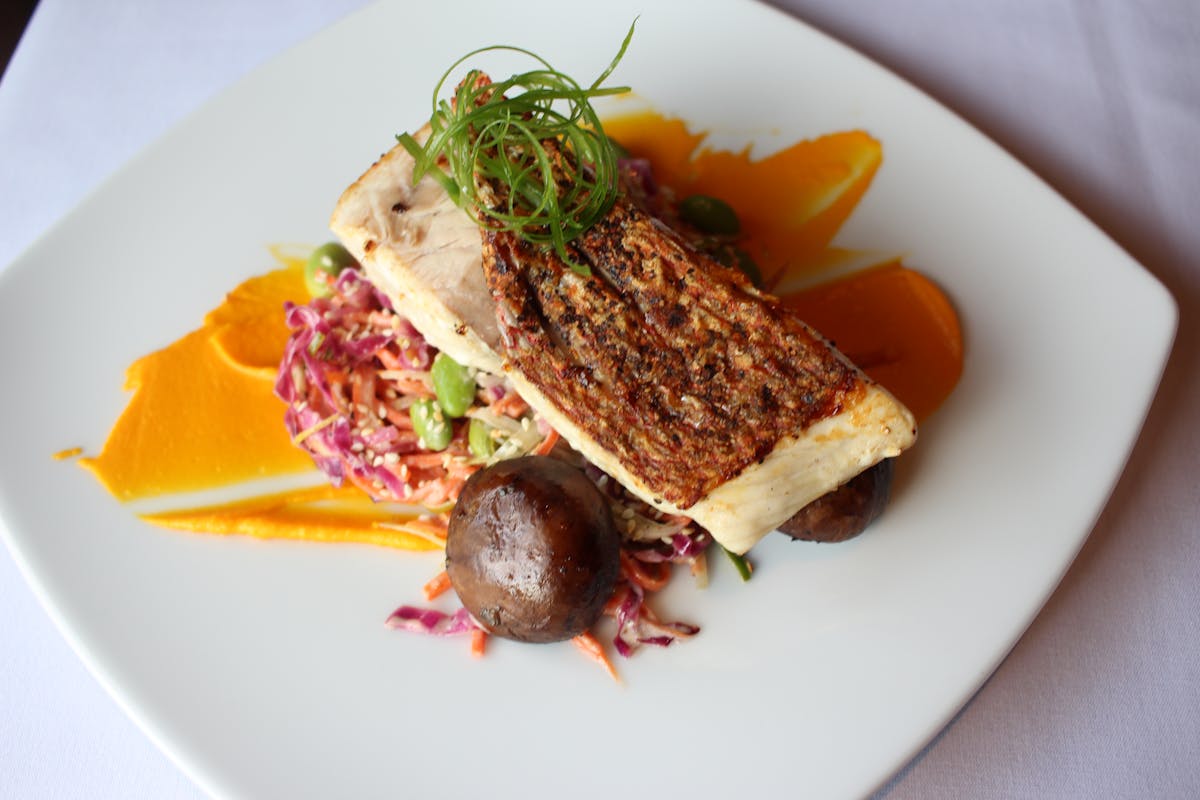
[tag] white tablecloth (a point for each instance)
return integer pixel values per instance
(1101, 698)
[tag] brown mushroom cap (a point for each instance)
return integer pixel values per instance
(532, 549)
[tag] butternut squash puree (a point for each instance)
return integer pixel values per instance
(203, 412)
(895, 324)
(322, 514)
(790, 203)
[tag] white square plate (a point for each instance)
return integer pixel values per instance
(264, 668)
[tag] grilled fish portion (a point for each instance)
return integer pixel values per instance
(423, 252)
(665, 369)
(670, 372)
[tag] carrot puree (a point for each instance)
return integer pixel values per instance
(321, 514)
(203, 414)
(896, 325)
(199, 417)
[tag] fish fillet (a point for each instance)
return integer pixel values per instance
(668, 371)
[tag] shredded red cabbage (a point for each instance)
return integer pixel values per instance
(342, 407)
(637, 624)
(433, 622)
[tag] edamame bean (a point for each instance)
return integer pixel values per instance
(323, 265)
(710, 215)
(479, 439)
(453, 384)
(430, 424)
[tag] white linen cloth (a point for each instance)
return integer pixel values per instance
(1101, 698)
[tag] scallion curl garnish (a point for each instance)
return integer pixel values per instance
(537, 137)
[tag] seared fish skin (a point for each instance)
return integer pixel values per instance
(671, 372)
(681, 368)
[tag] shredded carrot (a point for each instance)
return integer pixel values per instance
(478, 642)
(362, 390)
(389, 359)
(362, 483)
(511, 405)
(591, 647)
(413, 386)
(651, 577)
(547, 444)
(337, 384)
(400, 419)
(433, 527)
(425, 460)
(700, 570)
(616, 599)
(438, 586)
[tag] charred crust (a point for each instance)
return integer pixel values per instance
(661, 355)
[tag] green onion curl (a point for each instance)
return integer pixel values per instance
(535, 137)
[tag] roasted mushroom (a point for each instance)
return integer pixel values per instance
(532, 549)
(846, 511)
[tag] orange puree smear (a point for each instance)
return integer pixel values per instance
(790, 203)
(203, 412)
(204, 415)
(320, 514)
(895, 324)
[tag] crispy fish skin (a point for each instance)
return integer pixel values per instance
(668, 370)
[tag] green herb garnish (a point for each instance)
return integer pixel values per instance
(527, 154)
(739, 563)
